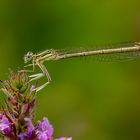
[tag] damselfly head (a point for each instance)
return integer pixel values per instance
(28, 57)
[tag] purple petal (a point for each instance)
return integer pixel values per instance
(30, 125)
(44, 130)
(30, 132)
(5, 125)
(32, 88)
(43, 135)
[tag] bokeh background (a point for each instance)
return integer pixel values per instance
(87, 100)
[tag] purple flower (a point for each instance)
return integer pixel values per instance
(5, 125)
(30, 132)
(16, 117)
(32, 88)
(44, 130)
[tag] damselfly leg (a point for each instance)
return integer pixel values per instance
(36, 76)
(40, 75)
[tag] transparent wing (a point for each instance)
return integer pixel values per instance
(121, 56)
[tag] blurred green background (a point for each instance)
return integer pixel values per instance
(87, 100)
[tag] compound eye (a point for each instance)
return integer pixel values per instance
(29, 53)
(28, 56)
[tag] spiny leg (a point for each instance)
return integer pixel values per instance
(44, 70)
(45, 73)
(26, 71)
(40, 75)
(29, 65)
(36, 76)
(41, 87)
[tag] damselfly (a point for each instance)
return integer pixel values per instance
(52, 54)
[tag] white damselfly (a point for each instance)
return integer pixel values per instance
(127, 50)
